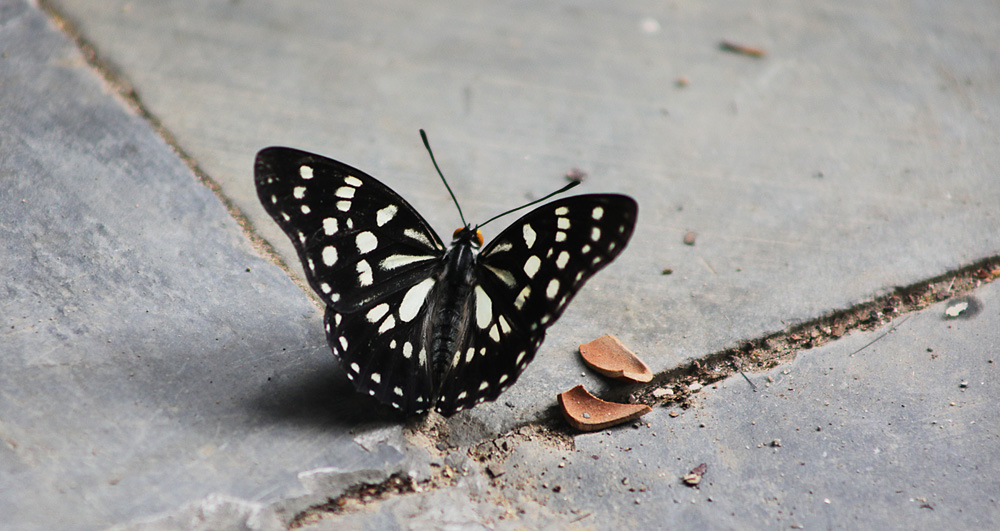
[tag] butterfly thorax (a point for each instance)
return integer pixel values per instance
(453, 307)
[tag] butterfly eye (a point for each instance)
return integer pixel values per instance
(455, 234)
(479, 238)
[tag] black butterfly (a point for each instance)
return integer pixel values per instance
(418, 325)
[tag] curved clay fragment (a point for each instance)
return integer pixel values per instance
(586, 412)
(608, 356)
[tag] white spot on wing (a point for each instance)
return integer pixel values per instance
(330, 226)
(306, 172)
(325, 288)
(521, 297)
(484, 308)
(329, 255)
(355, 367)
(505, 276)
(562, 223)
(343, 342)
(494, 333)
(365, 274)
(376, 377)
(562, 259)
(595, 234)
(598, 213)
(305, 209)
(400, 260)
(419, 236)
(352, 181)
(377, 313)
(502, 247)
(384, 215)
(366, 242)
(553, 289)
(529, 235)
(414, 300)
(343, 206)
(484, 385)
(562, 211)
(560, 236)
(531, 266)
(469, 354)
(504, 325)
(299, 192)
(387, 324)
(407, 350)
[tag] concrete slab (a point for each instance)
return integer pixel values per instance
(857, 155)
(156, 373)
(899, 435)
(141, 364)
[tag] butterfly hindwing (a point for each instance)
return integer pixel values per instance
(384, 355)
(524, 279)
(358, 240)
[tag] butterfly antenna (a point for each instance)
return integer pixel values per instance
(423, 136)
(557, 192)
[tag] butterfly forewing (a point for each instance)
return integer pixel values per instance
(525, 278)
(370, 256)
(359, 242)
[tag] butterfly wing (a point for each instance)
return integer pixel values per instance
(524, 279)
(369, 255)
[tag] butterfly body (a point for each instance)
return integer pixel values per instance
(415, 324)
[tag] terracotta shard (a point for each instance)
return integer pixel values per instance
(608, 356)
(586, 412)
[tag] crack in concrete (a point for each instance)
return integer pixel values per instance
(360, 495)
(765, 353)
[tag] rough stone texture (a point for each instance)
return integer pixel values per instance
(156, 372)
(854, 157)
(899, 435)
(142, 365)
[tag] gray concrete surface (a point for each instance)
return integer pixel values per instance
(895, 107)
(157, 372)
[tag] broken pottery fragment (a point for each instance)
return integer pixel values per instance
(586, 412)
(608, 356)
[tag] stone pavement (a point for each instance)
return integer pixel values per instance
(160, 368)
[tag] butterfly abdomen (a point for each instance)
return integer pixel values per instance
(451, 315)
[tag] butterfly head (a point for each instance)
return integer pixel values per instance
(468, 234)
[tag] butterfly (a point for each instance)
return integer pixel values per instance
(414, 323)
